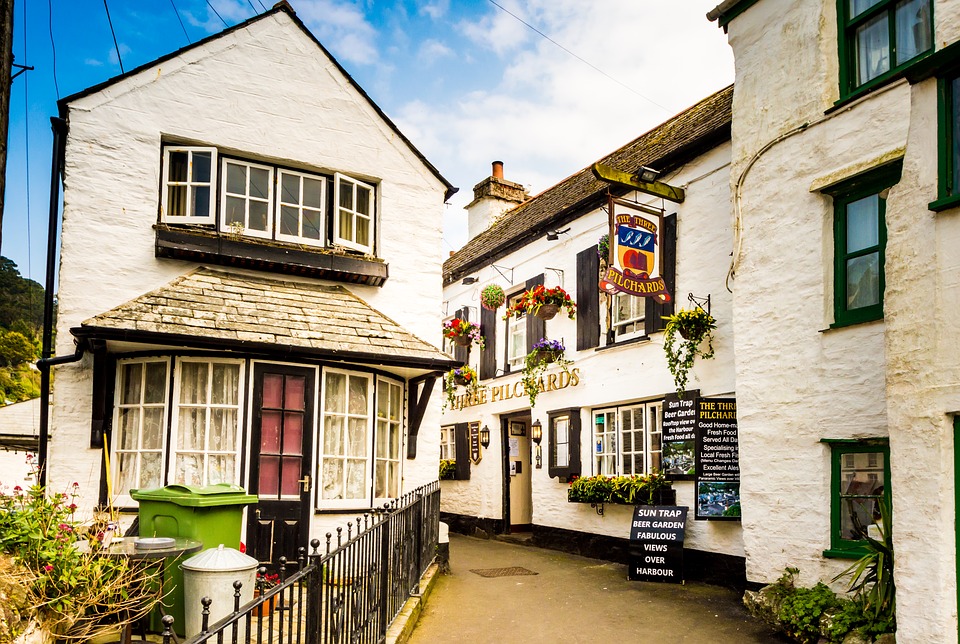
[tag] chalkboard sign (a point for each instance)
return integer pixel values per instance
(680, 435)
(656, 543)
(475, 454)
(718, 460)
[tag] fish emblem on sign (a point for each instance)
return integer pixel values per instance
(635, 253)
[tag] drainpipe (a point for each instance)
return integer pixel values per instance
(59, 127)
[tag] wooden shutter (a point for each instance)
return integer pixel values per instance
(573, 467)
(462, 353)
(655, 311)
(488, 357)
(461, 439)
(104, 374)
(536, 328)
(588, 299)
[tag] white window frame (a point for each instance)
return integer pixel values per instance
(561, 429)
(652, 430)
(222, 209)
(210, 216)
(352, 503)
(122, 497)
(206, 452)
(339, 178)
(516, 326)
(448, 443)
(300, 239)
(633, 325)
(390, 387)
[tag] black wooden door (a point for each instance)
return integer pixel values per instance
(280, 463)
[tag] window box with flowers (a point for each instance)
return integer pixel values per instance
(649, 489)
(693, 328)
(448, 469)
(463, 332)
(543, 302)
(464, 376)
(492, 297)
(544, 352)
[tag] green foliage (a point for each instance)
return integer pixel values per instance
(800, 611)
(448, 469)
(733, 510)
(18, 384)
(16, 349)
(682, 337)
(627, 490)
(21, 300)
(21, 317)
(871, 576)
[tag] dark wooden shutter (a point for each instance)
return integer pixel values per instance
(461, 438)
(655, 311)
(588, 299)
(573, 468)
(461, 353)
(488, 357)
(536, 328)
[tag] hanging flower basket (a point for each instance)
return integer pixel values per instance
(694, 327)
(462, 340)
(464, 376)
(543, 299)
(463, 333)
(543, 353)
(492, 297)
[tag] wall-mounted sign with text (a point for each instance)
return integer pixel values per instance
(475, 453)
(551, 381)
(635, 261)
(679, 455)
(718, 460)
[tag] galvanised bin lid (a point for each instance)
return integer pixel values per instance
(220, 559)
(197, 496)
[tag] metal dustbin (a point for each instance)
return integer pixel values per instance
(212, 514)
(212, 574)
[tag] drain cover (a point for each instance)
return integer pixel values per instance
(516, 571)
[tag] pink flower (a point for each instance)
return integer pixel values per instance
(75, 484)
(72, 507)
(17, 489)
(48, 567)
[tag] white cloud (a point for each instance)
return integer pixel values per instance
(498, 31)
(342, 28)
(229, 11)
(435, 10)
(432, 50)
(93, 62)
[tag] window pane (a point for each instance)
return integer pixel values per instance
(127, 478)
(153, 428)
(289, 188)
(193, 383)
(872, 49)
(200, 200)
(223, 430)
(346, 194)
(294, 396)
(269, 476)
(189, 469)
(270, 432)
(396, 396)
(272, 390)
(225, 384)
(863, 223)
(176, 201)
(220, 469)
(363, 231)
(236, 179)
(259, 183)
(150, 470)
(332, 479)
(346, 224)
(289, 476)
(234, 211)
(859, 6)
(177, 166)
(201, 167)
(190, 434)
(289, 221)
(333, 436)
(131, 384)
(129, 427)
(313, 193)
(292, 433)
(334, 398)
(358, 396)
(955, 144)
(357, 437)
(311, 224)
(863, 281)
(914, 29)
(356, 479)
(258, 215)
(363, 200)
(861, 490)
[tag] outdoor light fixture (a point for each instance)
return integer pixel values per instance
(536, 433)
(470, 280)
(647, 175)
(554, 235)
(485, 436)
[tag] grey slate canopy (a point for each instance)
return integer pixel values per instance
(215, 309)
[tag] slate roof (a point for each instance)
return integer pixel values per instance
(665, 147)
(217, 309)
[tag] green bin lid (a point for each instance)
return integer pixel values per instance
(197, 496)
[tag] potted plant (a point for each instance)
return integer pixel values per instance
(543, 302)
(693, 328)
(265, 583)
(639, 489)
(463, 332)
(543, 353)
(464, 376)
(603, 248)
(448, 469)
(492, 297)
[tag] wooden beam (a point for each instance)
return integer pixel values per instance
(656, 188)
(417, 406)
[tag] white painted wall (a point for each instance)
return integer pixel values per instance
(267, 92)
(631, 373)
(799, 381)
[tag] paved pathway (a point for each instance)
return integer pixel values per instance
(573, 599)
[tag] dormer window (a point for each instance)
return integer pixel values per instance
(354, 227)
(188, 179)
(247, 192)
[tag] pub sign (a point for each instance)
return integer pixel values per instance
(635, 263)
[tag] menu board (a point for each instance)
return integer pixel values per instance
(680, 435)
(718, 460)
(475, 453)
(656, 543)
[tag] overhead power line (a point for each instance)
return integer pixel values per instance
(112, 33)
(53, 47)
(177, 12)
(582, 60)
(218, 14)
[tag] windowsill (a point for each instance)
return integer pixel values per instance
(944, 203)
(876, 83)
(853, 552)
(844, 325)
(625, 343)
(211, 247)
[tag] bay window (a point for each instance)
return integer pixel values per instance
(140, 426)
(389, 433)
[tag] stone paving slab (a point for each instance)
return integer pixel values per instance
(573, 599)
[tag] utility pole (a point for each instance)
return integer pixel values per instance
(6, 67)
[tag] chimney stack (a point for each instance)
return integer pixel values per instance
(492, 197)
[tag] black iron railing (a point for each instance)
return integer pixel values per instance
(349, 593)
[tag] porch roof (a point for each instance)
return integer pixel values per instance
(215, 309)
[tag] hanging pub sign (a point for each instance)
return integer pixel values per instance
(680, 435)
(635, 264)
(475, 454)
(718, 460)
(656, 543)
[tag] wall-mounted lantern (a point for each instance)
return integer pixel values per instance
(536, 433)
(485, 436)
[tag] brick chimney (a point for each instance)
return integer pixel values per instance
(491, 198)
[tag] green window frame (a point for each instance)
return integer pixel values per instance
(860, 239)
(859, 483)
(878, 39)
(948, 126)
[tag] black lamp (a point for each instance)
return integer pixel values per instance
(536, 433)
(485, 436)
(647, 175)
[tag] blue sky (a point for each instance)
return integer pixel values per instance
(465, 80)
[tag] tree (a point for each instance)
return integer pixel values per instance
(16, 349)
(21, 299)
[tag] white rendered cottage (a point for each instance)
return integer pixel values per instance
(605, 415)
(230, 271)
(846, 167)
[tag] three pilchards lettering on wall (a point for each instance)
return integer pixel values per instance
(680, 435)
(718, 460)
(636, 260)
(656, 543)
